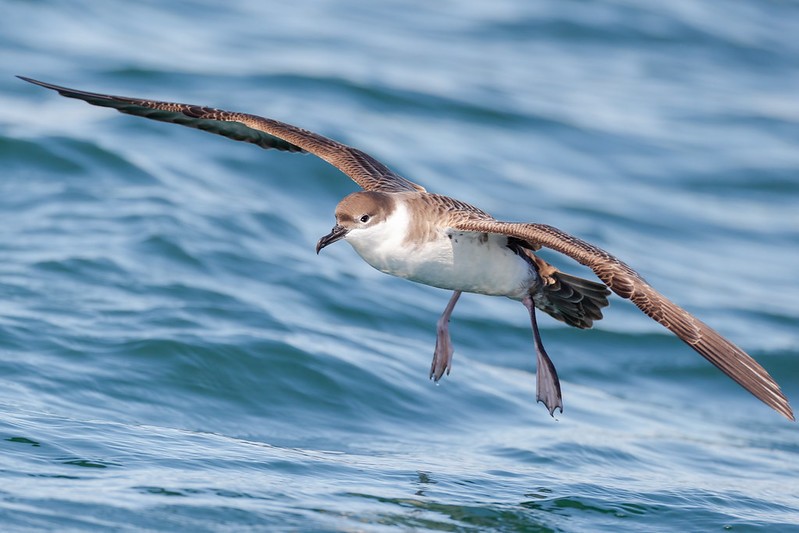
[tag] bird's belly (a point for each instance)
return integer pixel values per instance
(465, 261)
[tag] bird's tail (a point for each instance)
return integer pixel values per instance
(575, 301)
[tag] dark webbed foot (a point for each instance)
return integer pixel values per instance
(442, 356)
(547, 384)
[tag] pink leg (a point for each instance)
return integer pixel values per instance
(442, 356)
(547, 384)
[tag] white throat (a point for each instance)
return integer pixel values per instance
(378, 244)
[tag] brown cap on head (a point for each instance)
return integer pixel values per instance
(364, 208)
(358, 210)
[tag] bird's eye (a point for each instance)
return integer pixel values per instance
(365, 219)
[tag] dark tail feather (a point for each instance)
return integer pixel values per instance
(575, 301)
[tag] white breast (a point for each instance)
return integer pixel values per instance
(451, 259)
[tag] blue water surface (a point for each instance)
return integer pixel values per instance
(174, 356)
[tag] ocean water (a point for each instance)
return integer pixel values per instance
(175, 357)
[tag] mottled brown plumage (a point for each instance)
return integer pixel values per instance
(363, 169)
(627, 283)
(573, 300)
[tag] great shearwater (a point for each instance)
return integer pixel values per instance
(401, 229)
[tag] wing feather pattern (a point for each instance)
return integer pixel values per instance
(627, 283)
(362, 168)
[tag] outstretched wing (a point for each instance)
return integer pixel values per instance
(364, 170)
(627, 283)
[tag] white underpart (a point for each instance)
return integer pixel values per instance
(455, 260)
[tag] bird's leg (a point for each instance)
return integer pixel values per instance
(547, 384)
(442, 356)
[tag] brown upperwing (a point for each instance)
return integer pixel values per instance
(362, 168)
(627, 283)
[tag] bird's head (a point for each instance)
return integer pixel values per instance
(356, 213)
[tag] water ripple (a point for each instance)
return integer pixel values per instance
(175, 356)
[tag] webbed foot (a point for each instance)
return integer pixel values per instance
(442, 356)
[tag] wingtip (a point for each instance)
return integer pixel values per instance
(776, 399)
(29, 80)
(39, 83)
